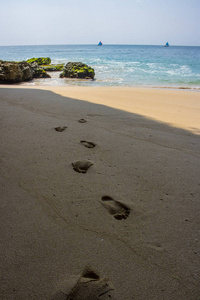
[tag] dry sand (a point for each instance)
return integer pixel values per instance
(107, 205)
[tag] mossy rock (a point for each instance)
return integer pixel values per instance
(77, 70)
(40, 73)
(40, 60)
(53, 68)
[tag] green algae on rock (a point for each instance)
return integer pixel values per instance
(53, 67)
(40, 60)
(77, 70)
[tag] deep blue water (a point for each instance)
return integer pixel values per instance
(119, 65)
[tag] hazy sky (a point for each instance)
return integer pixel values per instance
(147, 22)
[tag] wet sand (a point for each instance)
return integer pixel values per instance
(99, 193)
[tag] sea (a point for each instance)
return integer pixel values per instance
(118, 65)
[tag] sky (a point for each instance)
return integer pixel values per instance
(137, 22)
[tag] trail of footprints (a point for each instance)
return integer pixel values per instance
(89, 285)
(116, 209)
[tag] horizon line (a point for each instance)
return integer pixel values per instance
(88, 44)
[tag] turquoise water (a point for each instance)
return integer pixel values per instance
(119, 65)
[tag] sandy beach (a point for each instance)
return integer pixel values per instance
(100, 192)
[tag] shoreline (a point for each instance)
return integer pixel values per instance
(30, 84)
(37, 82)
(196, 89)
(99, 186)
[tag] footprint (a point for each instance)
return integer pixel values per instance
(117, 209)
(82, 166)
(88, 144)
(82, 121)
(88, 286)
(60, 128)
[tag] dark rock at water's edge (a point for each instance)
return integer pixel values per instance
(40, 73)
(40, 60)
(77, 70)
(15, 72)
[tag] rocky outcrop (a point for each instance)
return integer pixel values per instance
(14, 72)
(40, 60)
(77, 70)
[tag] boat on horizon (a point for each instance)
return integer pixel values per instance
(167, 44)
(100, 43)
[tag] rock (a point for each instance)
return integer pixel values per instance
(40, 73)
(26, 70)
(40, 60)
(77, 70)
(14, 72)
